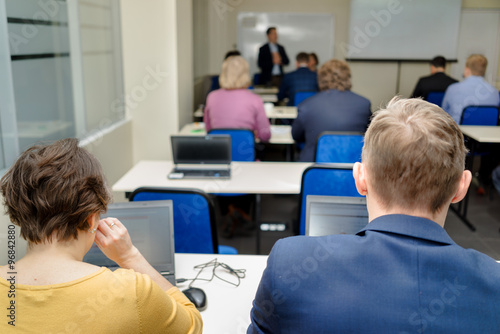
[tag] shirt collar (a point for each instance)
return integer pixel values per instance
(474, 78)
(411, 226)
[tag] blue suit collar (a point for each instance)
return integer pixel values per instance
(411, 226)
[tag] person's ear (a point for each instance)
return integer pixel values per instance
(93, 221)
(467, 72)
(463, 186)
(359, 174)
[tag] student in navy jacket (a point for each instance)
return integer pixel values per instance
(402, 273)
(272, 58)
(300, 80)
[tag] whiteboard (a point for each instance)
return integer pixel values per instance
(297, 32)
(403, 29)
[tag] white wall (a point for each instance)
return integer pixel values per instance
(149, 31)
(185, 60)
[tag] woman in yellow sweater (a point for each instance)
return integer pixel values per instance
(55, 194)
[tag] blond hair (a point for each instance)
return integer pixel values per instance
(414, 153)
(235, 73)
(334, 74)
(477, 64)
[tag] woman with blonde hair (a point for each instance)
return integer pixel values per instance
(234, 106)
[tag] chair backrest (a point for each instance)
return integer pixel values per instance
(339, 147)
(242, 143)
(301, 96)
(256, 79)
(435, 97)
(195, 229)
(480, 115)
(326, 180)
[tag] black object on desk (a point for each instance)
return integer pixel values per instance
(197, 297)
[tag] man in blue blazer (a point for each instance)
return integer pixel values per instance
(272, 57)
(300, 80)
(335, 108)
(402, 273)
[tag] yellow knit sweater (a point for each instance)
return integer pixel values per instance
(122, 301)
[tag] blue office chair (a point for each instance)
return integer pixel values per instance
(301, 96)
(435, 97)
(195, 229)
(480, 115)
(256, 79)
(242, 143)
(325, 180)
(339, 147)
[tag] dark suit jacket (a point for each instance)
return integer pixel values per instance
(265, 62)
(301, 80)
(401, 274)
(330, 110)
(437, 82)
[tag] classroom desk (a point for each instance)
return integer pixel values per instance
(477, 135)
(228, 307)
(246, 177)
(274, 112)
(265, 90)
(280, 134)
(272, 98)
(267, 94)
(282, 112)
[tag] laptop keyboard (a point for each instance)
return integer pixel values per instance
(202, 173)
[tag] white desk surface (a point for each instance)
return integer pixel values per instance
(282, 112)
(265, 90)
(273, 112)
(280, 134)
(228, 307)
(482, 134)
(246, 177)
(269, 97)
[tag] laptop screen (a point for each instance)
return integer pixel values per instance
(326, 215)
(150, 225)
(210, 149)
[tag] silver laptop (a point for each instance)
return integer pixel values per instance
(326, 215)
(150, 225)
(201, 157)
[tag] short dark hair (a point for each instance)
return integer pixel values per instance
(302, 57)
(439, 61)
(232, 53)
(315, 56)
(268, 31)
(54, 188)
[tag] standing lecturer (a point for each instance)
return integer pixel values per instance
(272, 57)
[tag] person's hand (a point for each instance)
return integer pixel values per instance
(113, 240)
(276, 58)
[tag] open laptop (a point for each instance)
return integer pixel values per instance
(326, 215)
(201, 156)
(150, 225)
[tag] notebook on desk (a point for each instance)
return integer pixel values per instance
(150, 225)
(201, 157)
(326, 215)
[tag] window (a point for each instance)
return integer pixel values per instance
(61, 71)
